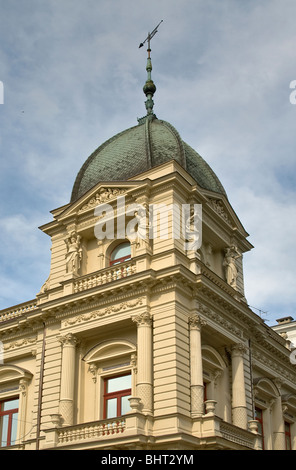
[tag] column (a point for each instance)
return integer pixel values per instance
(196, 372)
(267, 428)
(23, 385)
(69, 343)
(239, 403)
(144, 371)
(279, 441)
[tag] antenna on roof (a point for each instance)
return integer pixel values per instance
(261, 312)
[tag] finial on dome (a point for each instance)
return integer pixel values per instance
(149, 87)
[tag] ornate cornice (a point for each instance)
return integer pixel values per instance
(219, 319)
(274, 364)
(114, 308)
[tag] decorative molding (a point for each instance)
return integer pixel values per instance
(274, 365)
(100, 313)
(239, 349)
(23, 387)
(19, 343)
(144, 319)
(68, 339)
(219, 208)
(93, 368)
(220, 320)
(196, 322)
(103, 196)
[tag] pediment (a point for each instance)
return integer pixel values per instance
(226, 214)
(212, 359)
(102, 193)
(11, 373)
(266, 388)
(109, 350)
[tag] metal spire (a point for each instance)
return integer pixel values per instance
(149, 87)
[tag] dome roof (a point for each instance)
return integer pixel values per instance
(139, 148)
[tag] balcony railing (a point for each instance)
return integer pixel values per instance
(17, 310)
(93, 430)
(118, 271)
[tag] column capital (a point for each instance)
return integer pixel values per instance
(238, 349)
(68, 339)
(144, 319)
(196, 322)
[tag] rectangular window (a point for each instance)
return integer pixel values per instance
(288, 435)
(117, 391)
(8, 422)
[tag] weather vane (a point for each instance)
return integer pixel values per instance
(150, 36)
(149, 87)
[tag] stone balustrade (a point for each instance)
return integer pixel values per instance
(93, 430)
(104, 276)
(17, 310)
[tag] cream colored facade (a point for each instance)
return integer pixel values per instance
(201, 361)
(286, 327)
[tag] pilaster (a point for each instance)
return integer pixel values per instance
(69, 343)
(196, 371)
(144, 355)
(239, 403)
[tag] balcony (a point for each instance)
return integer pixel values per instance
(104, 276)
(91, 431)
(96, 434)
(135, 429)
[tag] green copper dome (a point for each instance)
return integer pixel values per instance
(139, 148)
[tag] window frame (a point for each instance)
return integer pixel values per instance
(117, 394)
(288, 439)
(10, 414)
(122, 259)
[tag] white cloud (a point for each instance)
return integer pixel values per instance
(73, 77)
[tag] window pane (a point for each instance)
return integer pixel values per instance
(125, 404)
(10, 405)
(13, 428)
(112, 408)
(119, 383)
(121, 251)
(258, 417)
(3, 430)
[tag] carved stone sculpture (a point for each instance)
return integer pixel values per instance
(231, 271)
(74, 253)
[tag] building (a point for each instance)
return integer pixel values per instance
(286, 327)
(143, 338)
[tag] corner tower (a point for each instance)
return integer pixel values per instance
(144, 342)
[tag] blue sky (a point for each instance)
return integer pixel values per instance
(73, 77)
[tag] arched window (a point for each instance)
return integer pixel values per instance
(121, 253)
(112, 365)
